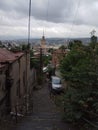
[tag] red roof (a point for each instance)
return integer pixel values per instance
(9, 56)
(18, 54)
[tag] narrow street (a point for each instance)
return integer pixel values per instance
(45, 114)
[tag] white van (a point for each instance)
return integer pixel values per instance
(56, 84)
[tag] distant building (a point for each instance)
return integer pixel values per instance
(43, 44)
(57, 56)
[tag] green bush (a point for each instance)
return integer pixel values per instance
(80, 69)
(40, 80)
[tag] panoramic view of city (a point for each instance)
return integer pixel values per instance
(48, 65)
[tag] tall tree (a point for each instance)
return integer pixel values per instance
(80, 70)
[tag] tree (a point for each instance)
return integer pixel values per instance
(24, 47)
(1, 45)
(0, 42)
(62, 48)
(46, 59)
(51, 50)
(34, 63)
(80, 70)
(93, 39)
(74, 44)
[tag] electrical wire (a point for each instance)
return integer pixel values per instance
(48, 5)
(44, 30)
(75, 15)
(73, 22)
(46, 15)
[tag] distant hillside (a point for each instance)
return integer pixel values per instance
(50, 41)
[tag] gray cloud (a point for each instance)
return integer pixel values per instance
(64, 13)
(56, 11)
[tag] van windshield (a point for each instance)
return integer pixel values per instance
(56, 81)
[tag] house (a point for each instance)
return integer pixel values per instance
(15, 81)
(3, 91)
(57, 56)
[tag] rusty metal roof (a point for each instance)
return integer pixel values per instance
(8, 56)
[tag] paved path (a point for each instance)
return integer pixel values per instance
(45, 114)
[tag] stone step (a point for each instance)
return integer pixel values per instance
(45, 116)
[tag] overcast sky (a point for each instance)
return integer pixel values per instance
(58, 18)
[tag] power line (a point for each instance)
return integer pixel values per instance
(46, 15)
(75, 15)
(48, 4)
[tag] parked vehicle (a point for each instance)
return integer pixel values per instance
(56, 84)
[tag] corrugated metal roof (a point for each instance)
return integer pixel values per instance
(18, 54)
(9, 56)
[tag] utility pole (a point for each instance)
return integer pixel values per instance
(27, 58)
(41, 62)
(29, 22)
